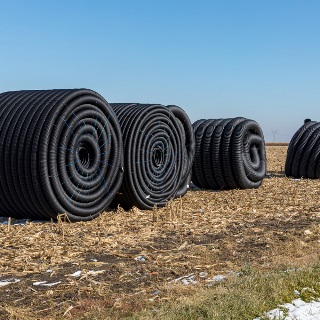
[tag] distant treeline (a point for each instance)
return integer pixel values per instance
(277, 144)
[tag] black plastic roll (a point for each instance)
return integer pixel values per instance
(303, 156)
(158, 154)
(60, 152)
(230, 153)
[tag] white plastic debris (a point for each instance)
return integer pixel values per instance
(94, 260)
(49, 271)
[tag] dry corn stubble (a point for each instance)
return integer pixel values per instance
(137, 255)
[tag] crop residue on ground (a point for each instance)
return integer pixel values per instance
(132, 259)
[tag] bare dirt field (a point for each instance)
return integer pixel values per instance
(131, 260)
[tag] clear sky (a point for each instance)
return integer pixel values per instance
(254, 58)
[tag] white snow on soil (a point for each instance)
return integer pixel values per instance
(75, 274)
(45, 284)
(8, 281)
(296, 310)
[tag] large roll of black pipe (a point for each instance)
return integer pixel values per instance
(60, 152)
(158, 154)
(230, 153)
(303, 156)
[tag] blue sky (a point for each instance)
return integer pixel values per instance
(254, 58)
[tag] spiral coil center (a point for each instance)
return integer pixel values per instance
(85, 156)
(158, 157)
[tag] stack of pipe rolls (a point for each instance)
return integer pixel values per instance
(303, 156)
(158, 153)
(230, 153)
(61, 152)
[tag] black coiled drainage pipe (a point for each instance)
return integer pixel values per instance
(303, 156)
(158, 154)
(60, 152)
(230, 153)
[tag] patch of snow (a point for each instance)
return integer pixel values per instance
(94, 272)
(51, 284)
(8, 281)
(218, 278)
(45, 284)
(291, 270)
(308, 289)
(189, 280)
(203, 274)
(296, 310)
(140, 258)
(75, 274)
(186, 280)
(38, 283)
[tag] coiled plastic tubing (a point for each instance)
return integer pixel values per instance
(158, 154)
(230, 154)
(61, 152)
(303, 155)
